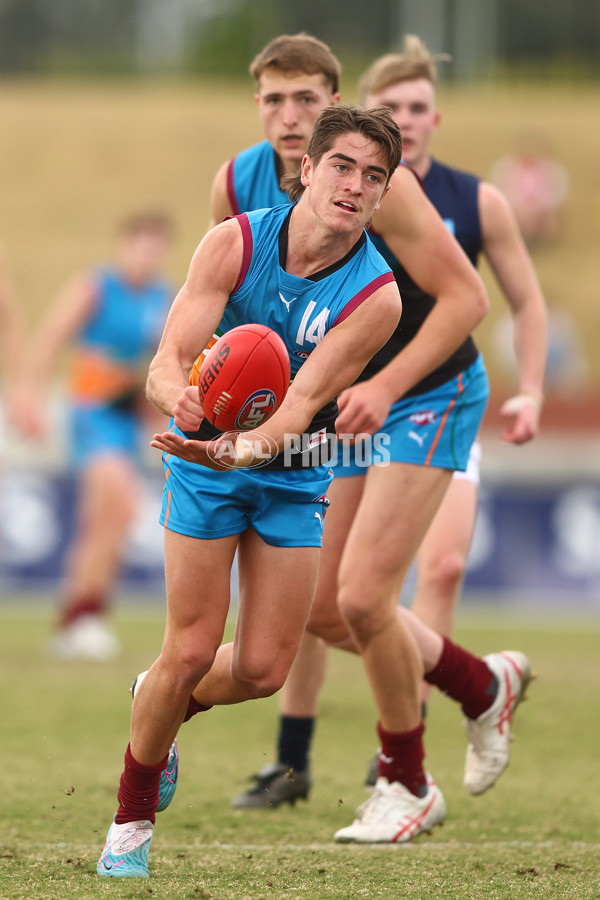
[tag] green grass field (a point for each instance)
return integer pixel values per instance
(64, 730)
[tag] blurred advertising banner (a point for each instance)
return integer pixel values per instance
(539, 540)
(38, 521)
(531, 541)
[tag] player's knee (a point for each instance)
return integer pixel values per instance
(189, 664)
(122, 500)
(446, 573)
(326, 624)
(261, 679)
(122, 514)
(364, 616)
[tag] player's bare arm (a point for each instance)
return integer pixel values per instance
(220, 205)
(417, 236)
(506, 252)
(73, 308)
(193, 318)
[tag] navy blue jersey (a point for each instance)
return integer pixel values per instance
(300, 310)
(454, 195)
(253, 180)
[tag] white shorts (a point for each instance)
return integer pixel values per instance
(472, 472)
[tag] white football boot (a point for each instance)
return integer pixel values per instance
(125, 853)
(489, 735)
(392, 815)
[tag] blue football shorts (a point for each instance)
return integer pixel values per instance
(437, 428)
(101, 431)
(285, 508)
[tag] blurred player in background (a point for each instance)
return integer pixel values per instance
(537, 187)
(112, 317)
(316, 257)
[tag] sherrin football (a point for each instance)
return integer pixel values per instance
(243, 378)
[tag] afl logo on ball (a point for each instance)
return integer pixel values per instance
(257, 409)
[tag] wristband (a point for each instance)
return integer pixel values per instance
(514, 405)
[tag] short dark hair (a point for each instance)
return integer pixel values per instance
(293, 53)
(376, 124)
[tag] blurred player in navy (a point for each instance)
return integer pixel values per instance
(112, 318)
(343, 304)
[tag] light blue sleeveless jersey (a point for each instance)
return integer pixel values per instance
(127, 322)
(300, 310)
(252, 180)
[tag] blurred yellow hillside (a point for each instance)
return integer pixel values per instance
(76, 157)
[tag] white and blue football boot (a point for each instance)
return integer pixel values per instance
(125, 853)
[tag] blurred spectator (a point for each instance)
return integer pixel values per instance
(537, 187)
(567, 370)
(113, 317)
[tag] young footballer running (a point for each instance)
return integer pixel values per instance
(317, 256)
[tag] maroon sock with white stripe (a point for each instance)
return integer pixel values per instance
(401, 758)
(464, 677)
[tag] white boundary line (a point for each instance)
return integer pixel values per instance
(559, 846)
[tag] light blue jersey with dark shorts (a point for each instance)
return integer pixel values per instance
(285, 500)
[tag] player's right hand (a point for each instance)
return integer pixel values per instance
(523, 418)
(188, 412)
(363, 408)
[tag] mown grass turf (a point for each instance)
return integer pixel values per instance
(65, 728)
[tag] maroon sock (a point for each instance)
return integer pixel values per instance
(83, 605)
(193, 708)
(401, 758)
(138, 790)
(465, 678)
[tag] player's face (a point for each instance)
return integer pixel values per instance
(142, 255)
(289, 106)
(348, 183)
(413, 109)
